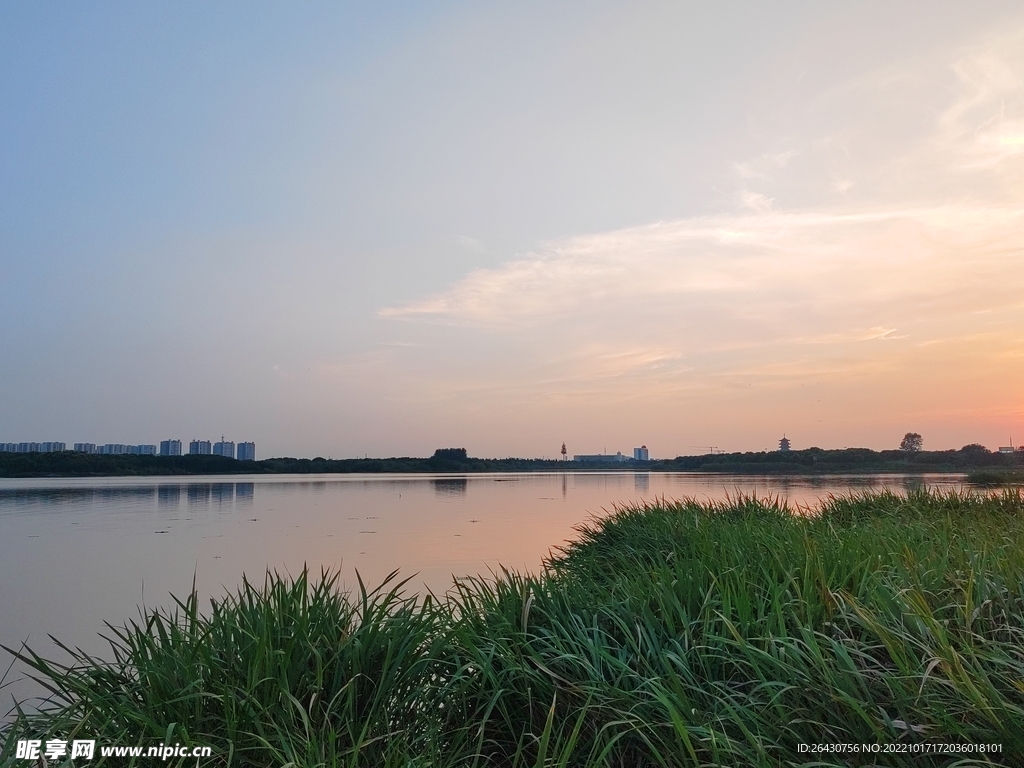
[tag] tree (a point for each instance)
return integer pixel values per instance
(975, 449)
(912, 442)
(450, 453)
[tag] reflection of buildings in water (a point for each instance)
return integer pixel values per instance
(599, 479)
(198, 494)
(565, 485)
(126, 496)
(244, 493)
(450, 486)
(168, 495)
(22, 498)
(123, 496)
(222, 493)
(143, 492)
(642, 482)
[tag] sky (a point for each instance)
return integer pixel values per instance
(346, 229)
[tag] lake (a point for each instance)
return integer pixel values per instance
(77, 552)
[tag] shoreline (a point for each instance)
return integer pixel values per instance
(808, 462)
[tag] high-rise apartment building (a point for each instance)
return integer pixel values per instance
(641, 454)
(115, 449)
(246, 451)
(31, 447)
(199, 448)
(224, 448)
(170, 447)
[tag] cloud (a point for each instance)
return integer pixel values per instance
(765, 166)
(888, 259)
(915, 248)
(755, 201)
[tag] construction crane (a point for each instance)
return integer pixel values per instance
(712, 449)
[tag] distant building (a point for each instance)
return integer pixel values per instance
(1006, 449)
(641, 454)
(784, 443)
(246, 452)
(599, 458)
(224, 448)
(32, 447)
(199, 448)
(117, 449)
(170, 447)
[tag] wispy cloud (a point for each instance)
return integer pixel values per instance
(909, 254)
(835, 262)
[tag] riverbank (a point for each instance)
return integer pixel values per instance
(686, 634)
(812, 461)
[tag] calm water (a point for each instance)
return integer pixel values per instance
(75, 553)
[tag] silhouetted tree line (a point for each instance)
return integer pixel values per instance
(821, 461)
(74, 463)
(809, 461)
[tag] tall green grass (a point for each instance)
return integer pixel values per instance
(679, 634)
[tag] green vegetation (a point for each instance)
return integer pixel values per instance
(820, 461)
(76, 464)
(456, 454)
(73, 464)
(911, 441)
(809, 461)
(991, 478)
(689, 633)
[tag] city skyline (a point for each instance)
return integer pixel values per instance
(246, 450)
(377, 231)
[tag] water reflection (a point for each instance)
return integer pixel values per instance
(616, 485)
(116, 496)
(450, 486)
(198, 494)
(168, 495)
(245, 493)
(222, 494)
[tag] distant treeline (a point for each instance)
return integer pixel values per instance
(74, 464)
(809, 461)
(821, 461)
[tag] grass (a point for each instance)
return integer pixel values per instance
(710, 634)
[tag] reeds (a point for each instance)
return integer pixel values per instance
(679, 634)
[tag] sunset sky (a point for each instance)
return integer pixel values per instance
(382, 228)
